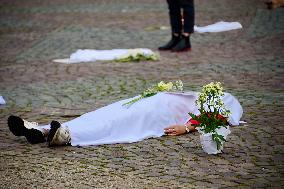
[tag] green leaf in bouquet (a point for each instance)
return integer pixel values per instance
(218, 139)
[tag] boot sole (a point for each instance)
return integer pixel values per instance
(165, 49)
(16, 125)
(184, 50)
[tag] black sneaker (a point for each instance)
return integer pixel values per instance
(171, 44)
(183, 45)
(21, 127)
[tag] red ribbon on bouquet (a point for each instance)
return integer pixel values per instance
(195, 122)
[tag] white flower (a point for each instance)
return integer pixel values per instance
(165, 86)
(179, 85)
(210, 98)
(160, 87)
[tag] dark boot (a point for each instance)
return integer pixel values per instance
(20, 127)
(183, 45)
(171, 44)
(58, 135)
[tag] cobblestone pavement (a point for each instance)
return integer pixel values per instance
(250, 63)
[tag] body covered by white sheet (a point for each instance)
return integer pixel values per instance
(146, 118)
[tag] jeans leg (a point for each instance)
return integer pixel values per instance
(188, 15)
(175, 15)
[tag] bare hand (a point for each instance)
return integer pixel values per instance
(175, 130)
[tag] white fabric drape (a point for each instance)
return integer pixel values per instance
(2, 101)
(146, 118)
(218, 27)
(91, 55)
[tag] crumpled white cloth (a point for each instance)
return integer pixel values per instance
(218, 27)
(90, 55)
(2, 101)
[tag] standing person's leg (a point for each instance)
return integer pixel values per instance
(175, 16)
(189, 16)
(188, 28)
(176, 25)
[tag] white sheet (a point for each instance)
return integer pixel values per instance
(218, 27)
(144, 119)
(91, 55)
(2, 101)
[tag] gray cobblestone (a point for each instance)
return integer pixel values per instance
(249, 62)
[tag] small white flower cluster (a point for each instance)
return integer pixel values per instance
(214, 88)
(177, 86)
(210, 99)
(160, 87)
(136, 55)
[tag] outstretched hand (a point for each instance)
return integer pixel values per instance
(175, 130)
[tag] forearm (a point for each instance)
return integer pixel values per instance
(175, 130)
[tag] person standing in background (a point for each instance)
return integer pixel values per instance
(182, 25)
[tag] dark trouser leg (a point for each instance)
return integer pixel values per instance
(175, 16)
(188, 26)
(188, 15)
(176, 24)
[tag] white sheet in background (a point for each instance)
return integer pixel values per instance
(146, 118)
(90, 55)
(2, 101)
(218, 27)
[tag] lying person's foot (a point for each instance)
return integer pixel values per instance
(183, 45)
(58, 135)
(21, 127)
(171, 44)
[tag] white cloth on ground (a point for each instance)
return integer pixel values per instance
(2, 101)
(218, 27)
(90, 55)
(146, 118)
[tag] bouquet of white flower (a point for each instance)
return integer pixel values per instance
(212, 120)
(136, 55)
(160, 87)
